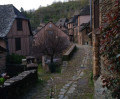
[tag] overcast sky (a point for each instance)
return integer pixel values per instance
(28, 4)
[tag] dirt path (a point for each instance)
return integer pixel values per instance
(74, 81)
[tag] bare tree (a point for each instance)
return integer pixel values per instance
(51, 44)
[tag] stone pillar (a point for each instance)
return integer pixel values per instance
(44, 65)
(43, 61)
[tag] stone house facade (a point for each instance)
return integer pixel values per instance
(84, 26)
(45, 31)
(49, 28)
(72, 27)
(84, 31)
(62, 24)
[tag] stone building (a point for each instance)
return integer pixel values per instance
(84, 26)
(84, 32)
(72, 27)
(38, 28)
(49, 29)
(99, 10)
(62, 24)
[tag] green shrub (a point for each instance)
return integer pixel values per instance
(2, 80)
(14, 59)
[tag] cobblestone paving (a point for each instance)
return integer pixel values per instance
(73, 82)
(69, 88)
(77, 87)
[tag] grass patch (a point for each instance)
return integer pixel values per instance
(42, 75)
(40, 69)
(89, 75)
(89, 95)
(91, 82)
(40, 81)
(91, 85)
(58, 69)
(54, 67)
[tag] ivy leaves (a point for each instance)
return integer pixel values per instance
(110, 49)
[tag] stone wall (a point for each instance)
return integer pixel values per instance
(2, 62)
(69, 53)
(105, 6)
(14, 69)
(16, 86)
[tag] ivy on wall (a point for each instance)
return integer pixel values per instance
(110, 49)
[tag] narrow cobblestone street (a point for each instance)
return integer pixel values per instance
(77, 86)
(60, 49)
(74, 81)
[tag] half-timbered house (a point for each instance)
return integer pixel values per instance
(14, 30)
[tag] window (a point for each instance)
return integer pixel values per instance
(50, 25)
(60, 26)
(50, 32)
(18, 44)
(19, 24)
(96, 14)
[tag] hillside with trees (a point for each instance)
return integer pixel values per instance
(54, 12)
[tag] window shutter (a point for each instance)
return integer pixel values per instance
(19, 24)
(18, 43)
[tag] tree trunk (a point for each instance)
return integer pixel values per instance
(51, 59)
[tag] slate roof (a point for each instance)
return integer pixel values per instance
(38, 28)
(73, 19)
(83, 26)
(36, 31)
(85, 10)
(2, 49)
(62, 21)
(8, 13)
